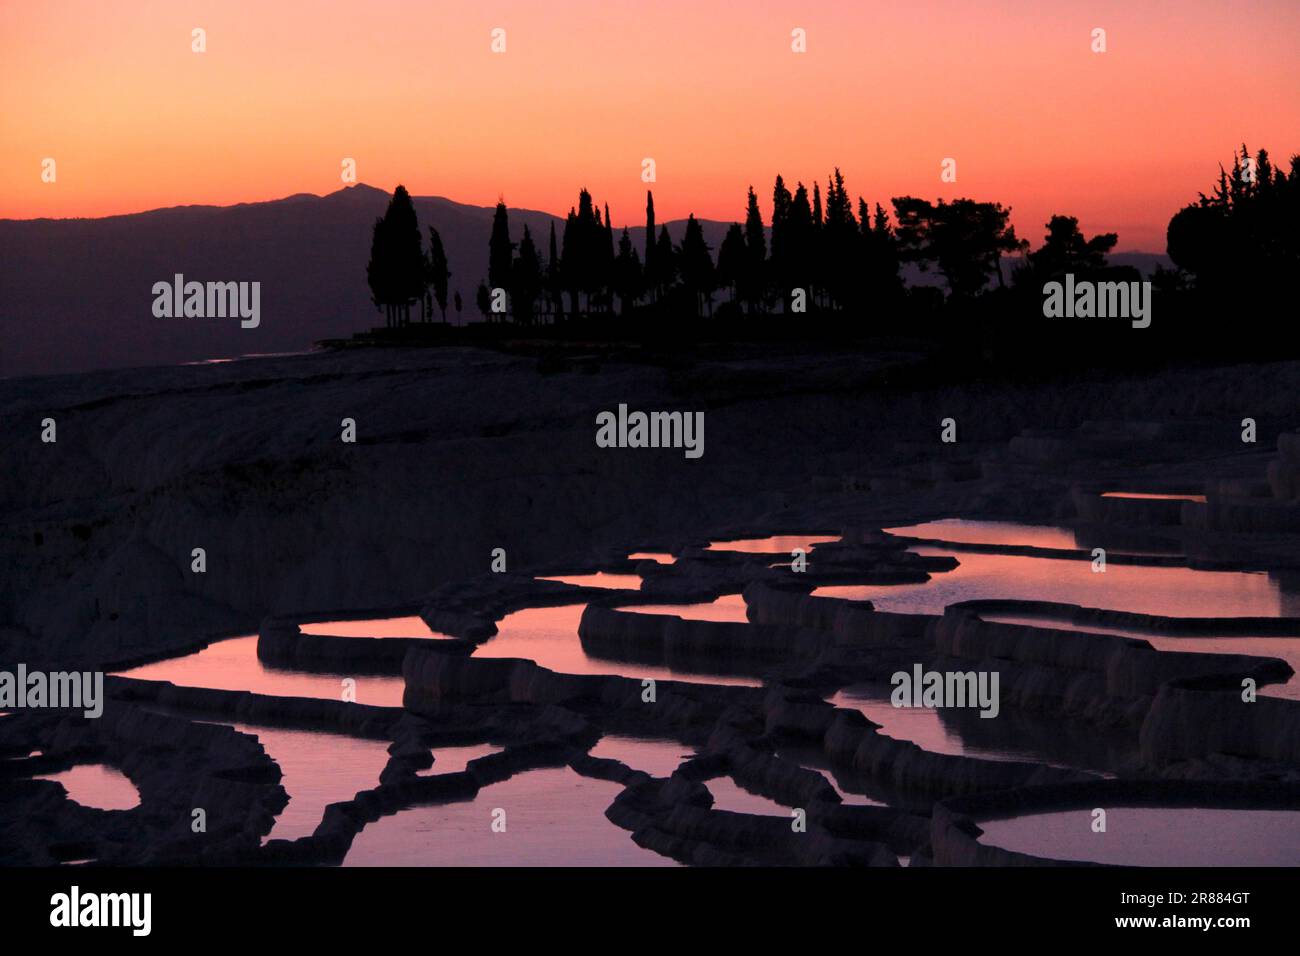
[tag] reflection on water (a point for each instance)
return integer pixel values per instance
(97, 785)
(553, 817)
(961, 531)
(549, 636)
(1152, 497)
(660, 557)
(729, 795)
(457, 758)
(782, 542)
(1121, 587)
(317, 770)
(1285, 648)
(410, 626)
(232, 664)
(1155, 836)
(601, 579)
(729, 607)
(657, 757)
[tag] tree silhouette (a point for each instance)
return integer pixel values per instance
(1242, 239)
(438, 273)
(396, 271)
(732, 264)
(649, 237)
(753, 278)
(697, 267)
(526, 281)
(554, 284)
(1065, 250)
(483, 299)
(627, 273)
(500, 249)
(963, 239)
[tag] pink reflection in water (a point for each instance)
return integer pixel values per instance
(1155, 836)
(729, 607)
(549, 637)
(783, 543)
(601, 579)
(97, 785)
(232, 664)
(411, 626)
(317, 770)
(456, 759)
(1286, 648)
(961, 531)
(729, 795)
(553, 817)
(657, 757)
(1121, 587)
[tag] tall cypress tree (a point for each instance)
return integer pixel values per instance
(438, 271)
(753, 275)
(780, 271)
(500, 249)
(554, 284)
(649, 236)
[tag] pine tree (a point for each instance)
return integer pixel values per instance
(649, 235)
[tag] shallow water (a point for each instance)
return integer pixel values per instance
(232, 664)
(1155, 836)
(410, 626)
(456, 758)
(1121, 587)
(1286, 648)
(728, 607)
(600, 579)
(549, 636)
(962, 531)
(660, 557)
(317, 769)
(553, 817)
(729, 795)
(97, 785)
(779, 543)
(655, 756)
(1152, 497)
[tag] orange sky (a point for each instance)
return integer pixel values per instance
(587, 88)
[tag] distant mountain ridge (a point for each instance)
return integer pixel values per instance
(75, 294)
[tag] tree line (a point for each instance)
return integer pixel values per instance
(817, 252)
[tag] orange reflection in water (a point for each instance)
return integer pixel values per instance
(1121, 587)
(549, 636)
(232, 664)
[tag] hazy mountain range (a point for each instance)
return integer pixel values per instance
(75, 294)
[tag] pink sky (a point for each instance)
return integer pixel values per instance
(585, 90)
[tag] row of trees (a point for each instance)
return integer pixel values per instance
(816, 253)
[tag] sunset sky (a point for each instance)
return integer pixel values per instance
(588, 88)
